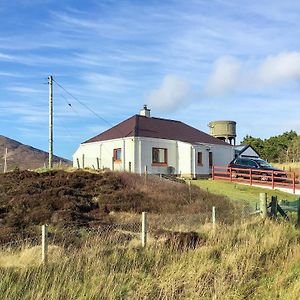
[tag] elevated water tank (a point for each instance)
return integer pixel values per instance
(223, 130)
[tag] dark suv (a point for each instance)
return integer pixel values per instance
(243, 166)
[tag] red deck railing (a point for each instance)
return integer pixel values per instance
(270, 178)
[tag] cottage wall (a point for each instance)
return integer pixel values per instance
(137, 154)
(100, 154)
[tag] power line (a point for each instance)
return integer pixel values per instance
(88, 108)
(69, 104)
(83, 104)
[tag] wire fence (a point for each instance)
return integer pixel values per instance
(128, 230)
(135, 230)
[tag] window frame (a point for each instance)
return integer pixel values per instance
(115, 156)
(157, 163)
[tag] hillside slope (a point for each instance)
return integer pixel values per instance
(24, 156)
(80, 198)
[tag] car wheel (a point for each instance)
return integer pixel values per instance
(234, 174)
(264, 177)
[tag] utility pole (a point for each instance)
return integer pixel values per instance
(50, 82)
(5, 161)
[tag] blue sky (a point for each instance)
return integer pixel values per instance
(190, 60)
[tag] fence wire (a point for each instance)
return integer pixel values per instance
(128, 229)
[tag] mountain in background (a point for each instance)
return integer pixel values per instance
(25, 157)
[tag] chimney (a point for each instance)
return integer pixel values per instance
(145, 111)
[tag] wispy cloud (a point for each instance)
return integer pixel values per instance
(6, 57)
(107, 83)
(24, 89)
(182, 57)
(173, 93)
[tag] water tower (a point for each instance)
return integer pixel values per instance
(223, 130)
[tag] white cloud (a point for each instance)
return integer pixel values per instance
(24, 89)
(279, 68)
(224, 77)
(172, 94)
(107, 83)
(230, 75)
(6, 57)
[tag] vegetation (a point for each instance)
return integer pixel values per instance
(251, 260)
(240, 192)
(281, 148)
(289, 167)
(83, 198)
(185, 257)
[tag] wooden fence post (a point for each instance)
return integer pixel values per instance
(294, 182)
(146, 173)
(298, 213)
(214, 217)
(98, 163)
(190, 191)
(144, 229)
(82, 161)
(44, 244)
(263, 205)
(129, 167)
(78, 164)
(274, 203)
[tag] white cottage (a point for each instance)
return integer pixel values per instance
(161, 146)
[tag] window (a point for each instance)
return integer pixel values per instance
(159, 156)
(199, 159)
(117, 155)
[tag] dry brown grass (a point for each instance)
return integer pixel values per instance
(242, 261)
(289, 167)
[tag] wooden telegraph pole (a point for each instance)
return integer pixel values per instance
(50, 82)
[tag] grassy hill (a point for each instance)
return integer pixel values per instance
(24, 156)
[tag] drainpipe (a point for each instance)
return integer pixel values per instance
(193, 164)
(100, 154)
(194, 161)
(124, 165)
(177, 159)
(140, 156)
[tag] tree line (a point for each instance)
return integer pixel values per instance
(281, 148)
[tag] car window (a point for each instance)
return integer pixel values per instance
(237, 161)
(263, 163)
(252, 164)
(244, 162)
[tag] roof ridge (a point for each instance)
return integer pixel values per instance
(156, 118)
